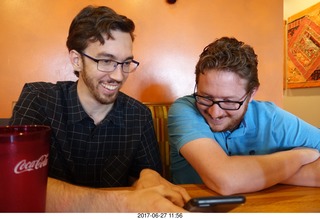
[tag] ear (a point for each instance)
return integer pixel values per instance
(76, 60)
(253, 93)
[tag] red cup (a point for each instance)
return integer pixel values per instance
(24, 156)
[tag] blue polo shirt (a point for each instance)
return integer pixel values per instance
(265, 129)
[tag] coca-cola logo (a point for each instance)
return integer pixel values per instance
(26, 166)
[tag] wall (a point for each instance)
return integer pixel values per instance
(169, 39)
(303, 102)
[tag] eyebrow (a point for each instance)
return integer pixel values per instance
(209, 95)
(228, 98)
(107, 55)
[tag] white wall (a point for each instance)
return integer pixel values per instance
(291, 7)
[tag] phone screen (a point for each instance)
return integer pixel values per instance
(214, 203)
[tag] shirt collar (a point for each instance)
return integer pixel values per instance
(76, 112)
(116, 114)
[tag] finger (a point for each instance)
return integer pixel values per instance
(183, 192)
(171, 194)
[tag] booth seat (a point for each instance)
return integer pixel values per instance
(160, 120)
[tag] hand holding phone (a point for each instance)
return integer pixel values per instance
(214, 203)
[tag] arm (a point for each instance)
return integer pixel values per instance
(239, 174)
(307, 175)
(64, 197)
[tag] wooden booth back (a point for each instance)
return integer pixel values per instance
(160, 119)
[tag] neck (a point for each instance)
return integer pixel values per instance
(98, 114)
(96, 110)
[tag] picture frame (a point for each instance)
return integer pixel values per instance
(303, 49)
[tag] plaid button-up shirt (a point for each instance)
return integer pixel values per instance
(83, 153)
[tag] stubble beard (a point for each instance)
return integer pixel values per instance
(232, 124)
(94, 90)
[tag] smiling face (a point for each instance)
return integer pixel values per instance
(103, 87)
(223, 86)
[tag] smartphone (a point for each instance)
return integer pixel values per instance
(214, 203)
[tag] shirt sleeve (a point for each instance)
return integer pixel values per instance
(185, 123)
(28, 109)
(291, 130)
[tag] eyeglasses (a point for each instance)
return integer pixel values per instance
(108, 65)
(224, 104)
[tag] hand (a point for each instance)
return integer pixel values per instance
(153, 199)
(150, 178)
(307, 175)
(308, 155)
(65, 197)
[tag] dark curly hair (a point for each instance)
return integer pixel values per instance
(91, 23)
(229, 54)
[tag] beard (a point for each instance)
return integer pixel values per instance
(232, 125)
(94, 90)
(232, 121)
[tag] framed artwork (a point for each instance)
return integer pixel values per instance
(303, 49)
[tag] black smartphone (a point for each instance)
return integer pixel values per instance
(214, 203)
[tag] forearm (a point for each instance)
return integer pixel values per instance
(253, 173)
(64, 197)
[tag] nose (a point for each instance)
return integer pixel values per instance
(117, 74)
(215, 111)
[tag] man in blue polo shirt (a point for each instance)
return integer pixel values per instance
(220, 136)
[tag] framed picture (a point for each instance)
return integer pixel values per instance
(303, 49)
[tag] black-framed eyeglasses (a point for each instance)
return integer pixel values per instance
(109, 65)
(223, 104)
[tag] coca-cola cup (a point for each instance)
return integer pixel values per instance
(24, 154)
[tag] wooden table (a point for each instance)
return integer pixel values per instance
(279, 198)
